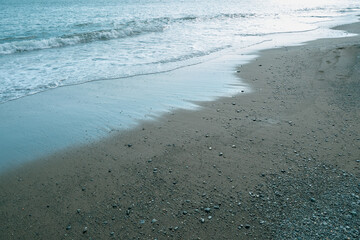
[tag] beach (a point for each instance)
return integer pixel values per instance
(279, 162)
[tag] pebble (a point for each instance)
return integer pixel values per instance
(312, 199)
(155, 170)
(207, 210)
(247, 226)
(220, 154)
(154, 220)
(78, 210)
(112, 234)
(142, 221)
(85, 229)
(202, 220)
(185, 212)
(68, 227)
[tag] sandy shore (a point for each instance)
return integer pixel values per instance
(281, 162)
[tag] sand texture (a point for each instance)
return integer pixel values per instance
(281, 162)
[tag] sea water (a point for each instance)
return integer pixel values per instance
(100, 65)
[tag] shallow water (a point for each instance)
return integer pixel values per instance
(47, 44)
(101, 66)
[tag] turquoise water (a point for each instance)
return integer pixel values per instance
(74, 71)
(47, 44)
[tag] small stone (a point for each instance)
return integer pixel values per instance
(210, 148)
(358, 160)
(68, 227)
(150, 160)
(142, 221)
(185, 212)
(233, 103)
(247, 226)
(85, 229)
(209, 217)
(216, 207)
(112, 234)
(353, 212)
(202, 220)
(78, 210)
(83, 188)
(312, 199)
(129, 145)
(155, 170)
(233, 146)
(220, 154)
(207, 210)
(154, 220)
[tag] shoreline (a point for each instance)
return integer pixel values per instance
(165, 178)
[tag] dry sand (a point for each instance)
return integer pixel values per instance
(252, 166)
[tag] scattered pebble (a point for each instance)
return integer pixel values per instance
(85, 229)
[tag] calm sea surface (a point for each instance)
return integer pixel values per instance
(47, 44)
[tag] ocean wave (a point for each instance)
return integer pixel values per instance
(120, 30)
(127, 30)
(196, 54)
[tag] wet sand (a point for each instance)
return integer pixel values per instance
(239, 168)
